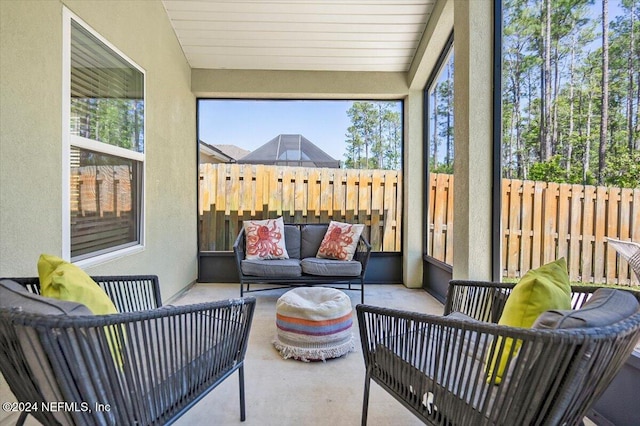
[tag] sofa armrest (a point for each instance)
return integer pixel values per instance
(239, 249)
(363, 253)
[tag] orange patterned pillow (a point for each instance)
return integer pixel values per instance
(265, 239)
(340, 241)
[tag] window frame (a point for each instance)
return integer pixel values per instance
(496, 196)
(199, 138)
(444, 55)
(69, 140)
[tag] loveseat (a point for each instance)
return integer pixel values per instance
(303, 266)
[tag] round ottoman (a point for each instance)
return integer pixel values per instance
(314, 323)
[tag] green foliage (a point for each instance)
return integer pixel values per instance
(623, 169)
(548, 171)
(442, 168)
(576, 91)
(441, 119)
(374, 139)
(115, 121)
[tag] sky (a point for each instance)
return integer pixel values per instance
(250, 124)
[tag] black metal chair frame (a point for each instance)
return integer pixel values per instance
(423, 361)
(362, 255)
(168, 358)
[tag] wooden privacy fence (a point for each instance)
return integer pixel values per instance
(544, 221)
(231, 193)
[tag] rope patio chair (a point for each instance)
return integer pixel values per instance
(435, 365)
(146, 365)
(629, 251)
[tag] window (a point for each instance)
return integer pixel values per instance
(570, 136)
(305, 160)
(104, 146)
(439, 152)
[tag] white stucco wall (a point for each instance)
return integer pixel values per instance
(31, 128)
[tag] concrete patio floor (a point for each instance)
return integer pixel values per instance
(288, 392)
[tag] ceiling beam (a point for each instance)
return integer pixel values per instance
(433, 40)
(207, 83)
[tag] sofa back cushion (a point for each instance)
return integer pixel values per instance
(311, 236)
(605, 307)
(292, 240)
(16, 296)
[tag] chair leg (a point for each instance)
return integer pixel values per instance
(22, 418)
(362, 290)
(365, 399)
(242, 401)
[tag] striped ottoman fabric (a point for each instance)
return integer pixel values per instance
(314, 323)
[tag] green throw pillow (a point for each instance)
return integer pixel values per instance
(62, 280)
(65, 281)
(539, 290)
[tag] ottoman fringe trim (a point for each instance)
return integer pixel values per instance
(320, 353)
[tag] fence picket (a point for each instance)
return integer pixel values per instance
(514, 227)
(389, 221)
(563, 218)
(626, 198)
(588, 233)
(450, 224)
(528, 194)
(575, 224)
(599, 222)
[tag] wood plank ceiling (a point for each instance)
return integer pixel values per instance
(323, 35)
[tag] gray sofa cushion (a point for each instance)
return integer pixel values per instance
(606, 306)
(331, 267)
(15, 296)
(272, 267)
(292, 241)
(311, 237)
